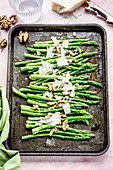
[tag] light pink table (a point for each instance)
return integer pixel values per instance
(104, 162)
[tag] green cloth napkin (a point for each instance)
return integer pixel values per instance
(9, 159)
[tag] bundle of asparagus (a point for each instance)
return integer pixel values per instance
(56, 84)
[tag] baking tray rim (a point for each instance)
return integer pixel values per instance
(102, 151)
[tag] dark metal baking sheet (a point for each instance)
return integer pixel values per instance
(94, 146)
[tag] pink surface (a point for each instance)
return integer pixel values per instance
(56, 163)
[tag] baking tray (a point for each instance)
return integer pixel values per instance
(94, 146)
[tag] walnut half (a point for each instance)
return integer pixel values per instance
(23, 36)
(13, 19)
(3, 42)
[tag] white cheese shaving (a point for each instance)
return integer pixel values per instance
(42, 70)
(58, 97)
(50, 142)
(62, 60)
(72, 94)
(48, 94)
(56, 42)
(67, 86)
(45, 68)
(65, 44)
(56, 83)
(66, 108)
(54, 119)
(49, 52)
(65, 78)
(77, 13)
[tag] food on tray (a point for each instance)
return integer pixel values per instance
(58, 94)
(62, 6)
(23, 36)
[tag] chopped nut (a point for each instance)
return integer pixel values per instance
(35, 106)
(5, 24)
(66, 93)
(64, 115)
(69, 60)
(58, 50)
(23, 36)
(59, 72)
(57, 113)
(38, 124)
(71, 53)
(38, 53)
(61, 103)
(74, 34)
(66, 98)
(54, 129)
(48, 116)
(66, 50)
(76, 85)
(51, 103)
(62, 84)
(3, 42)
(65, 123)
(13, 19)
(51, 87)
(51, 132)
(51, 108)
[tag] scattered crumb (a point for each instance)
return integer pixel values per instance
(77, 13)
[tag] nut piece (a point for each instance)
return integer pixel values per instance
(23, 36)
(76, 85)
(13, 19)
(51, 103)
(35, 106)
(38, 53)
(38, 124)
(74, 34)
(66, 93)
(64, 126)
(3, 42)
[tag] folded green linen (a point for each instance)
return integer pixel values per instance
(9, 159)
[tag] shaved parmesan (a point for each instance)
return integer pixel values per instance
(48, 94)
(62, 60)
(66, 108)
(67, 87)
(72, 94)
(49, 52)
(65, 44)
(56, 42)
(45, 68)
(50, 142)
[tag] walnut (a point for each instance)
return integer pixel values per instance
(66, 93)
(3, 42)
(35, 106)
(5, 24)
(13, 19)
(38, 53)
(51, 103)
(51, 87)
(38, 124)
(23, 36)
(74, 34)
(58, 50)
(48, 116)
(65, 123)
(76, 85)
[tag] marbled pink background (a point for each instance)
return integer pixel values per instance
(103, 162)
